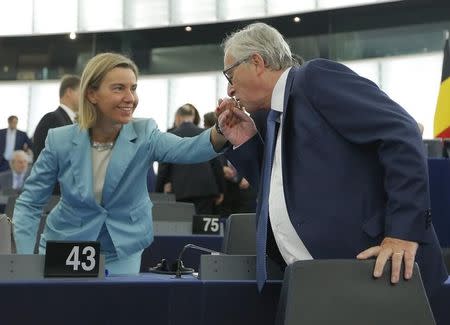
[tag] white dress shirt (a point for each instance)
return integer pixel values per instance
(69, 112)
(289, 243)
(10, 143)
(17, 181)
(100, 161)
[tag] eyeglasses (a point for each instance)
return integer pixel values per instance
(227, 71)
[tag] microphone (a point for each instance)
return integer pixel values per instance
(203, 249)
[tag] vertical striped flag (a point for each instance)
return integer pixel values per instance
(442, 114)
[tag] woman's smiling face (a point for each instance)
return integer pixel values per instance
(116, 97)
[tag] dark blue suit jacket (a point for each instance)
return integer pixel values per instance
(354, 169)
(21, 139)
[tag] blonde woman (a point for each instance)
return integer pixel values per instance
(101, 165)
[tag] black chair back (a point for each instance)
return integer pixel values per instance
(240, 234)
(327, 292)
(9, 208)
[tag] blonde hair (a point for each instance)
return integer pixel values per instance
(93, 74)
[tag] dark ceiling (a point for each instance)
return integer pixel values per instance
(50, 56)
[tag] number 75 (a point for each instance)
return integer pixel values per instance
(212, 224)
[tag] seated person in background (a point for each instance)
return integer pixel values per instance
(163, 184)
(101, 165)
(11, 180)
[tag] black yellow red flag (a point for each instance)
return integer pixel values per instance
(442, 114)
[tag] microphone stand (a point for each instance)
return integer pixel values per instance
(207, 250)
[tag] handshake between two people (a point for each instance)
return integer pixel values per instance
(234, 122)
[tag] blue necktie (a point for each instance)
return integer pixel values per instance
(263, 199)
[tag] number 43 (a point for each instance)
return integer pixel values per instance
(74, 258)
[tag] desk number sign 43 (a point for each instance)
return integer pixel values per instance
(72, 259)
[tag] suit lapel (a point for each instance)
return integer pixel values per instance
(288, 89)
(123, 152)
(81, 164)
(284, 145)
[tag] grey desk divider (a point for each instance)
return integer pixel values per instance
(161, 197)
(172, 228)
(176, 228)
(31, 267)
(234, 267)
(172, 218)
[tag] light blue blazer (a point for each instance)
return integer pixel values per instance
(125, 208)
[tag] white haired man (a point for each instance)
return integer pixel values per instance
(341, 172)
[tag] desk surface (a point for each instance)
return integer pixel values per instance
(147, 298)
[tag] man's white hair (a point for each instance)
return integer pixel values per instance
(262, 39)
(16, 154)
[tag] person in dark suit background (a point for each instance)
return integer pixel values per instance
(163, 184)
(64, 115)
(12, 139)
(349, 175)
(178, 119)
(201, 183)
(238, 196)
